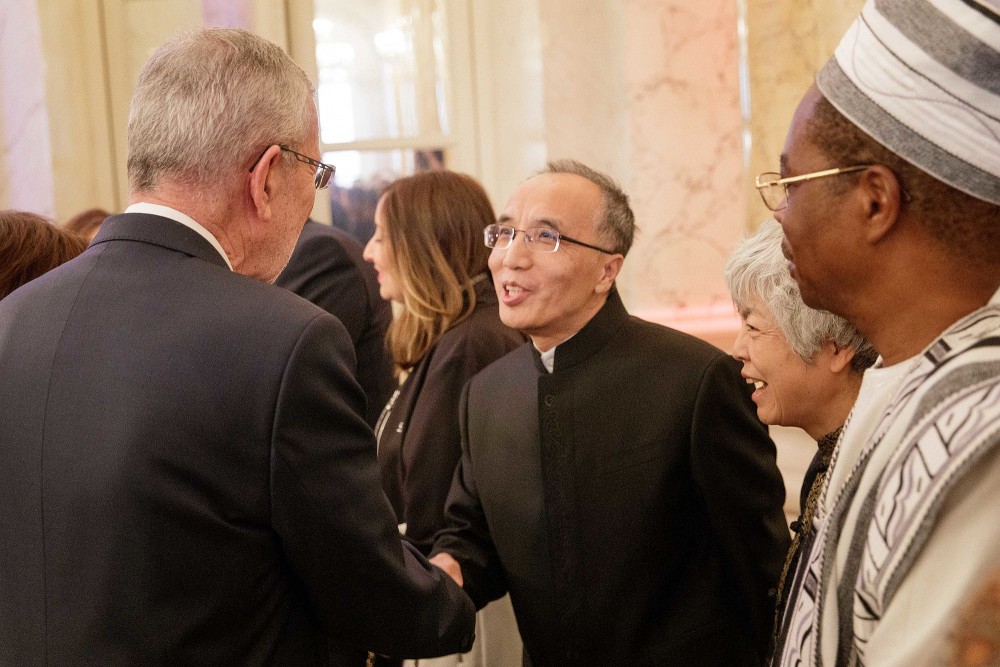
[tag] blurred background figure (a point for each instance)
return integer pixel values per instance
(327, 269)
(430, 257)
(354, 207)
(86, 223)
(806, 365)
(30, 245)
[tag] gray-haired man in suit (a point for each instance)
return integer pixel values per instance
(186, 476)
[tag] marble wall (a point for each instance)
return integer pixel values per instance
(785, 43)
(684, 136)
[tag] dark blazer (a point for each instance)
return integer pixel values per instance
(629, 501)
(328, 269)
(418, 436)
(185, 475)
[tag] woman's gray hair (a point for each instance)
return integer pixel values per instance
(758, 268)
(617, 224)
(208, 101)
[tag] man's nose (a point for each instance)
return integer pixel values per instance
(517, 255)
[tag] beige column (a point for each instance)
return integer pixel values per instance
(83, 148)
(786, 42)
(584, 98)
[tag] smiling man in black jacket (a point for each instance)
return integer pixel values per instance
(614, 476)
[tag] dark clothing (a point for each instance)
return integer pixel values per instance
(328, 269)
(816, 472)
(185, 475)
(629, 501)
(419, 442)
(812, 487)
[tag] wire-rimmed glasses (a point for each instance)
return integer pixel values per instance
(538, 239)
(324, 172)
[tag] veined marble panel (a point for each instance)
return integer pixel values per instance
(786, 43)
(686, 157)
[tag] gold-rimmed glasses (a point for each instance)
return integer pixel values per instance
(774, 189)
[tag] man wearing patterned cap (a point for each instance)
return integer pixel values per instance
(889, 197)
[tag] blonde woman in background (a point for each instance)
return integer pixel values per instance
(430, 257)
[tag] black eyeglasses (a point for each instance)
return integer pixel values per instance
(324, 172)
(538, 239)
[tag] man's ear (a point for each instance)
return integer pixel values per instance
(612, 265)
(881, 198)
(263, 179)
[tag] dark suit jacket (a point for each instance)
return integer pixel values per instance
(419, 441)
(185, 477)
(629, 501)
(328, 269)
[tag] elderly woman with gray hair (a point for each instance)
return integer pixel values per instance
(806, 365)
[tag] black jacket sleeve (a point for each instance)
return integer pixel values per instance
(335, 524)
(467, 535)
(733, 463)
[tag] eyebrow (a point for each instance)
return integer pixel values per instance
(783, 162)
(545, 222)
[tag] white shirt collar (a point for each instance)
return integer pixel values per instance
(186, 220)
(549, 358)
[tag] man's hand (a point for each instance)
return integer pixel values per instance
(449, 565)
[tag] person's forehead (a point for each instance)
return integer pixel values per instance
(753, 304)
(559, 198)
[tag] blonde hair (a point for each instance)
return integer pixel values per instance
(434, 222)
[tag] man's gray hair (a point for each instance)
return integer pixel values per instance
(208, 102)
(758, 269)
(617, 225)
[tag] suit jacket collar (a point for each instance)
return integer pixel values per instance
(594, 335)
(160, 231)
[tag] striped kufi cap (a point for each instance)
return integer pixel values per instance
(922, 77)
